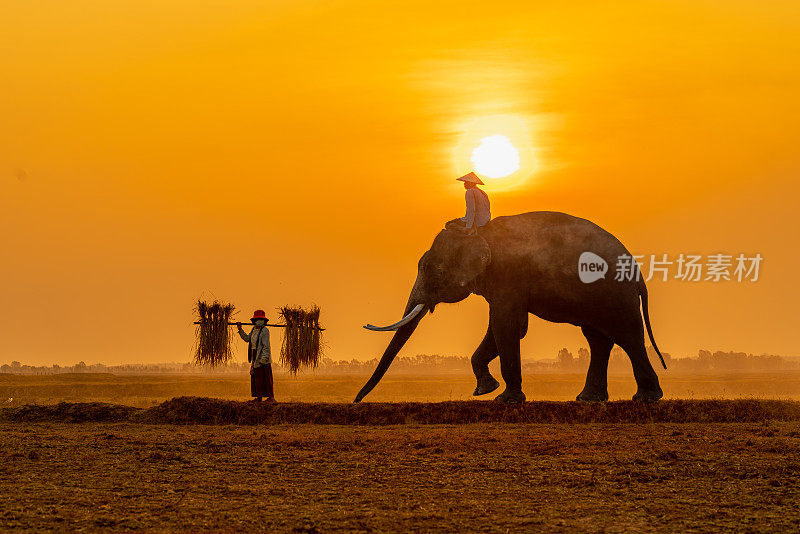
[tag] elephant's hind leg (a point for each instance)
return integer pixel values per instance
(596, 388)
(485, 353)
(648, 389)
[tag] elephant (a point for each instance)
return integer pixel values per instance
(529, 264)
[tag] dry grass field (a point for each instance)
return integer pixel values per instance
(147, 390)
(200, 464)
(487, 477)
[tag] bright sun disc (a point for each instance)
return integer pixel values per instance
(495, 157)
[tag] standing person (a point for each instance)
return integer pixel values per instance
(260, 357)
(478, 209)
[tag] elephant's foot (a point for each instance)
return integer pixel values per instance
(486, 384)
(651, 395)
(511, 396)
(589, 395)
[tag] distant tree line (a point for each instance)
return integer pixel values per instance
(565, 361)
(705, 361)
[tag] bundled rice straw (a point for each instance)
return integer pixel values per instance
(213, 336)
(301, 343)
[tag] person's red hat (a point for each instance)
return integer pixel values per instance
(259, 314)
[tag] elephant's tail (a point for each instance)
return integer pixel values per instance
(646, 313)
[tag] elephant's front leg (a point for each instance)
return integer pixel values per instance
(485, 353)
(509, 320)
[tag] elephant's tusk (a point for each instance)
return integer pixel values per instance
(405, 320)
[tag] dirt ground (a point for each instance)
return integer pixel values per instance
(489, 477)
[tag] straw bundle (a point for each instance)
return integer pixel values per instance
(213, 336)
(301, 343)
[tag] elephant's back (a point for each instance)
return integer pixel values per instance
(537, 219)
(548, 232)
(543, 249)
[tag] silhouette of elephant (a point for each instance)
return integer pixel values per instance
(529, 263)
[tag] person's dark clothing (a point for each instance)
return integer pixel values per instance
(261, 382)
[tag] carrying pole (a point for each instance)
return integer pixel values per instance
(270, 325)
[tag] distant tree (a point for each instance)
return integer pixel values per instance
(618, 360)
(704, 360)
(583, 357)
(564, 359)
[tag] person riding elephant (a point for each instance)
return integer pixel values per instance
(478, 207)
(529, 264)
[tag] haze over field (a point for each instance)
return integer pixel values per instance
(153, 152)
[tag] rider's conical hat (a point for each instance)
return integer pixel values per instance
(471, 177)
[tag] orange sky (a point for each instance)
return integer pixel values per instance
(152, 152)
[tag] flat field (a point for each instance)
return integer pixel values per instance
(147, 390)
(191, 464)
(486, 477)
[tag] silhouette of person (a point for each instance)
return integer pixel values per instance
(259, 355)
(478, 208)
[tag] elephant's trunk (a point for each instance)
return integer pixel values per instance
(399, 339)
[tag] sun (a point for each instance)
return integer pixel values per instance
(500, 148)
(495, 157)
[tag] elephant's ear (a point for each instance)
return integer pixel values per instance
(471, 255)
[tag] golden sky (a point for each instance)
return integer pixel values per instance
(152, 152)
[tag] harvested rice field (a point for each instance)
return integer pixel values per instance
(148, 390)
(117, 472)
